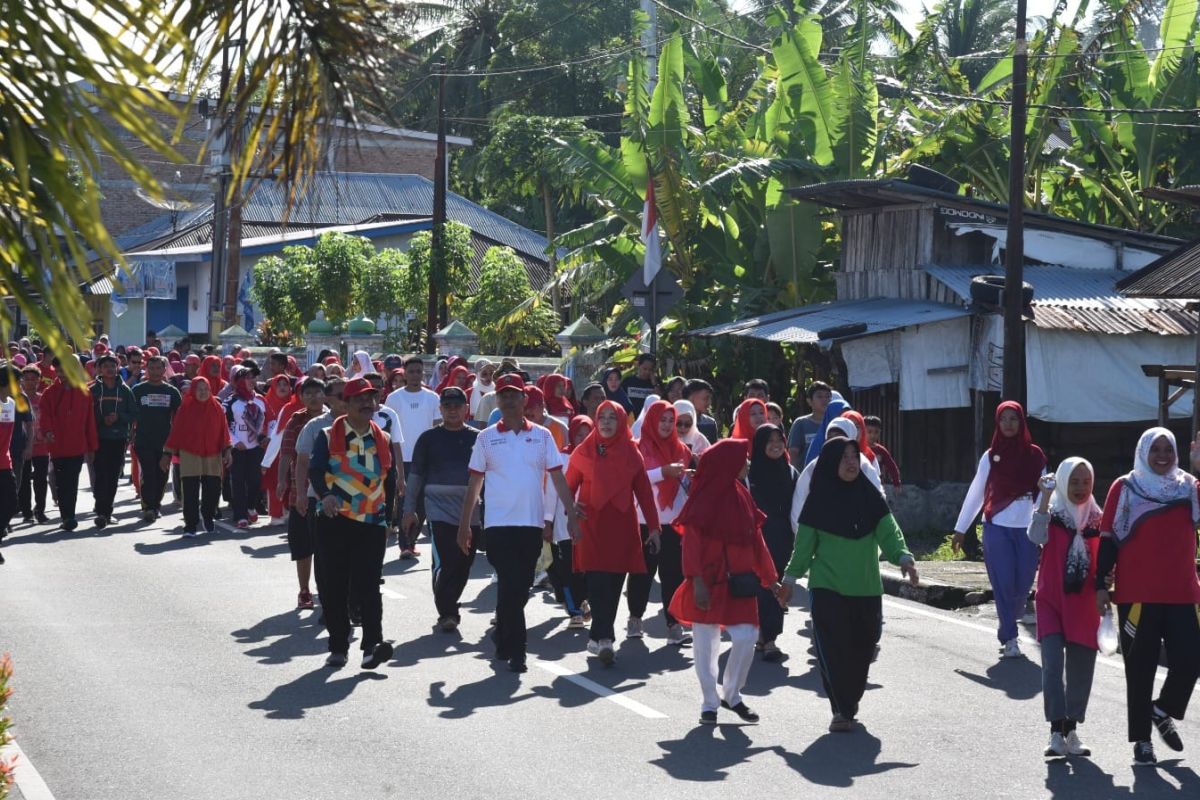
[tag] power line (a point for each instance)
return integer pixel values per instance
(598, 56)
(711, 28)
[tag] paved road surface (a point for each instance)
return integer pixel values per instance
(152, 666)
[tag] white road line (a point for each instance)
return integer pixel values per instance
(391, 594)
(602, 691)
(1107, 661)
(28, 779)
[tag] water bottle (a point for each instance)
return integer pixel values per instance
(1106, 634)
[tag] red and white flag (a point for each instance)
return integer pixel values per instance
(650, 234)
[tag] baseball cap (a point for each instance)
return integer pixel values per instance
(393, 361)
(510, 381)
(453, 394)
(356, 387)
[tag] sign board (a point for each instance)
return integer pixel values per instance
(153, 280)
(667, 293)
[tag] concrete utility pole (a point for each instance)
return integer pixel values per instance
(233, 248)
(437, 253)
(1014, 250)
(218, 168)
(650, 49)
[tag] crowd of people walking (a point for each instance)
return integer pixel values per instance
(601, 491)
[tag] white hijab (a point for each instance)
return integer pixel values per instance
(694, 439)
(1145, 491)
(637, 424)
(1060, 503)
(360, 364)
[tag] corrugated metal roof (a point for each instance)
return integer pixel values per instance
(802, 325)
(1176, 275)
(1081, 300)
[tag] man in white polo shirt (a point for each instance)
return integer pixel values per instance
(514, 456)
(419, 409)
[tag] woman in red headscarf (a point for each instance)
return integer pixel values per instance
(557, 403)
(281, 402)
(725, 561)
(570, 587)
(606, 473)
(1004, 488)
(213, 370)
(749, 415)
(667, 461)
(200, 438)
(870, 461)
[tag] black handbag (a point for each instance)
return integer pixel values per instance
(741, 584)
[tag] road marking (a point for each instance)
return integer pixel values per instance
(598, 689)
(28, 779)
(1108, 661)
(391, 594)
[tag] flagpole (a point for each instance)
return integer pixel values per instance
(654, 316)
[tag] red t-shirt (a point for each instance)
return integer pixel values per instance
(1157, 563)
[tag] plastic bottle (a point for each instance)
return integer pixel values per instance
(1106, 634)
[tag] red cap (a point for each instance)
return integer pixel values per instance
(356, 387)
(510, 381)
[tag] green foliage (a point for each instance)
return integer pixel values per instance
(340, 261)
(504, 285)
(6, 765)
(382, 283)
(452, 276)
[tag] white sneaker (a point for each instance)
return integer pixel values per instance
(1075, 747)
(1012, 649)
(675, 634)
(541, 580)
(606, 654)
(593, 647)
(576, 623)
(634, 629)
(1057, 746)
(278, 520)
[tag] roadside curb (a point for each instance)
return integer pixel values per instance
(932, 592)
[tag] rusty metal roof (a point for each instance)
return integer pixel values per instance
(1083, 300)
(1175, 275)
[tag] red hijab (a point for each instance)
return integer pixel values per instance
(719, 505)
(452, 367)
(275, 403)
(658, 451)
(861, 425)
(1016, 463)
(212, 369)
(199, 427)
(556, 405)
(293, 368)
(742, 429)
(578, 423)
(611, 463)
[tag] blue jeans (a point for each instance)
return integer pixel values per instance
(1011, 561)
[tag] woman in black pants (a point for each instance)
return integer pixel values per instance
(773, 485)
(1148, 532)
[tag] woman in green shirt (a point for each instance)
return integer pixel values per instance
(843, 527)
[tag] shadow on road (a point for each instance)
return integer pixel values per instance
(318, 688)
(836, 759)
(703, 756)
(286, 636)
(1019, 678)
(491, 692)
(1081, 777)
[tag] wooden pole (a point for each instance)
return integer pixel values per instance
(1014, 251)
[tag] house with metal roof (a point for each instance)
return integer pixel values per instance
(916, 329)
(385, 208)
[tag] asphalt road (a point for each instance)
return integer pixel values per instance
(152, 666)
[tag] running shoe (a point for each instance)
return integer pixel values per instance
(377, 655)
(633, 630)
(1075, 747)
(1011, 649)
(1057, 746)
(742, 710)
(708, 718)
(606, 655)
(336, 660)
(243, 524)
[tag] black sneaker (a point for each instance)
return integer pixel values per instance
(69, 525)
(1143, 753)
(377, 655)
(517, 664)
(742, 710)
(41, 518)
(708, 718)
(27, 519)
(1166, 729)
(100, 521)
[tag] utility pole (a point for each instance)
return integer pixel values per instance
(1014, 250)
(650, 49)
(437, 253)
(219, 164)
(233, 249)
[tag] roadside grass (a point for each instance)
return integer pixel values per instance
(933, 544)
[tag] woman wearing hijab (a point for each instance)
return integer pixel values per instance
(870, 461)
(673, 389)
(747, 418)
(570, 587)
(840, 428)
(725, 561)
(668, 462)
(279, 397)
(1148, 533)
(557, 404)
(360, 364)
(1067, 526)
(611, 381)
(636, 428)
(606, 473)
(212, 369)
(685, 426)
(773, 486)
(835, 408)
(199, 438)
(246, 413)
(844, 526)
(484, 372)
(1004, 487)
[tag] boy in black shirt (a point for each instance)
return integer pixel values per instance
(640, 385)
(155, 402)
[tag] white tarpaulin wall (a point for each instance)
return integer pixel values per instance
(872, 360)
(1080, 377)
(942, 347)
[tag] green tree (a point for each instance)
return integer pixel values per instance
(382, 284)
(453, 277)
(504, 285)
(60, 104)
(270, 293)
(340, 260)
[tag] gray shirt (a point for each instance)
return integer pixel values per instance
(308, 438)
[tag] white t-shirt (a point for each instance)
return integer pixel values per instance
(418, 411)
(389, 422)
(1017, 514)
(247, 422)
(514, 465)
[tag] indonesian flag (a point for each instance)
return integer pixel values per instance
(650, 234)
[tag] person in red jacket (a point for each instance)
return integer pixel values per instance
(725, 560)
(70, 432)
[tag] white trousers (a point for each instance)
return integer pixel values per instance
(706, 651)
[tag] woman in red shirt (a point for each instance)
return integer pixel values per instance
(722, 545)
(606, 473)
(1149, 533)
